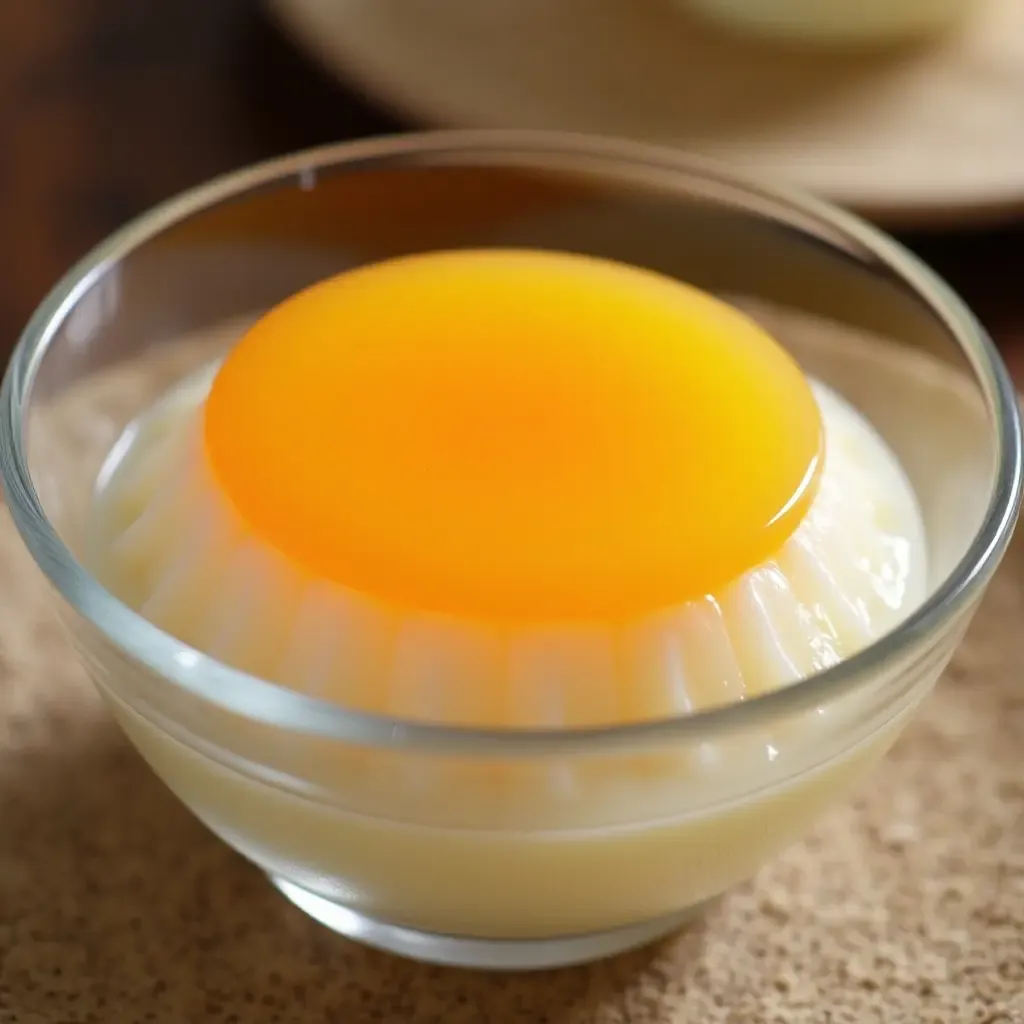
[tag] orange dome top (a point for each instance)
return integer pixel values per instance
(514, 434)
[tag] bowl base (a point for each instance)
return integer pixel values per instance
(481, 954)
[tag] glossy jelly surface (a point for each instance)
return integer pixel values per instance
(514, 435)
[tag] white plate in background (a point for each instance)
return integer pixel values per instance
(925, 134)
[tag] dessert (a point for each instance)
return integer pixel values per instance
(513, 490)
(453, 522)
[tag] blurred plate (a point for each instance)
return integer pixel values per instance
(925, 135)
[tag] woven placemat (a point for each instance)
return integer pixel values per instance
(907, 904)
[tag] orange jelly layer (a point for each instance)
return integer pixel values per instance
(511, 434)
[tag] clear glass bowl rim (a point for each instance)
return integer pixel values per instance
(266, 702)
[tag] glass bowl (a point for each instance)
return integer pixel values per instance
(506, 848)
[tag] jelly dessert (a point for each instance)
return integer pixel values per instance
(512, 489)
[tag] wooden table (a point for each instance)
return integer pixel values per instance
(107, 106)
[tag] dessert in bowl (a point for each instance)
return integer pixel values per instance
(507, 603)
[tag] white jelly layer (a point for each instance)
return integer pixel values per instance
(165, 540)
